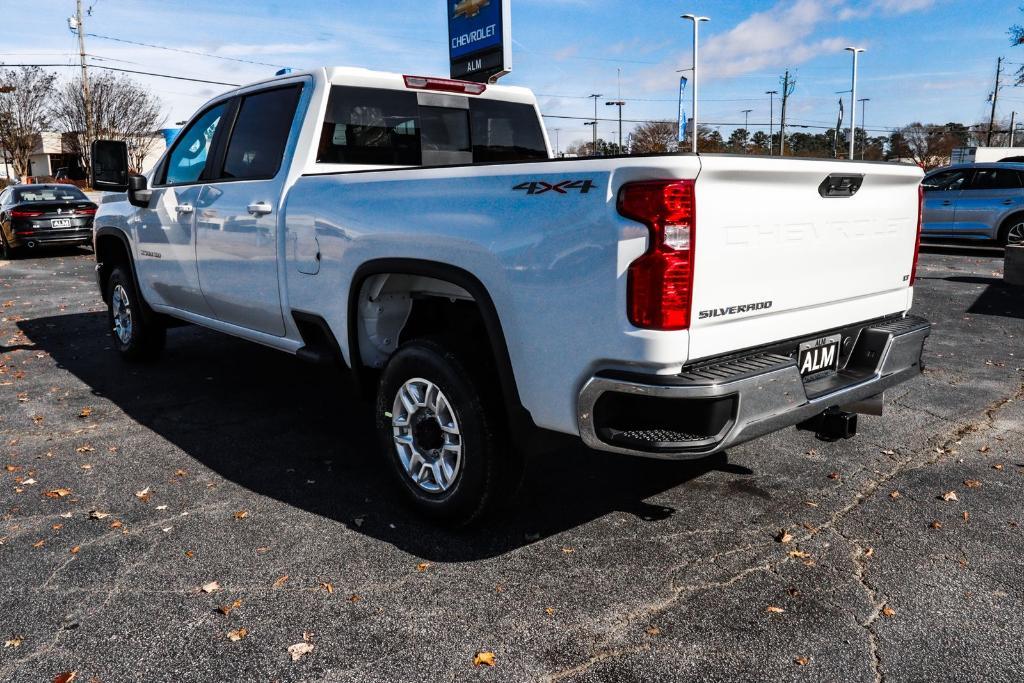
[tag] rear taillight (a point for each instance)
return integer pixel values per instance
(25, 214)
(86, 212)
(444, 85)
(920, 226)
(660, 283)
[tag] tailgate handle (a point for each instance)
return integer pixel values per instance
(841, 185)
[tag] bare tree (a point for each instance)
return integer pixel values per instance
(932, 145)
(121, 110)
(654, 137)
(25, 95)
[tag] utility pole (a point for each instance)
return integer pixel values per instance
(746, 119)
(693, 114)
(1013, 124)
(864, 123)
(771, 118)
(853, 99)
(593, 151)
(995, 98)
(620, 104)
(76, 23)
(4, 90)
(788, 85)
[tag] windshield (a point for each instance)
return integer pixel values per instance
(49, 193)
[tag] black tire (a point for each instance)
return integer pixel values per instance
(1004, 229)
(145, 336)
(487, 467)
(7, 252)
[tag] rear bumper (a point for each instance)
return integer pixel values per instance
(43, 238)
(713, 406)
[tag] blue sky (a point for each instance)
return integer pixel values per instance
(927, 60)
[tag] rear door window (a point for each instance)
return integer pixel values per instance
(947, 181)
(996, 179)
(390, 128)
(260, 134)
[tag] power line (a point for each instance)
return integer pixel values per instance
(178, 49)
(132, 71)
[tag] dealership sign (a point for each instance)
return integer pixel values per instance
(480, 39)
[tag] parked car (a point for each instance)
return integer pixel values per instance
(975, 201)
(417, 231)
(35, 216)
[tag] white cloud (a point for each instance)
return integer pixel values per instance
(886, 7)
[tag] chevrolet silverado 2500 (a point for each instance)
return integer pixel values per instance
(416, 231)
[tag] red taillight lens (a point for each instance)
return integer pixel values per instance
(920, 226)
(26, 214)
(86, 212)
(660, 283)
(444, 85)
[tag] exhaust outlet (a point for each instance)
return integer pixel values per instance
(30, 245)
(832, 425)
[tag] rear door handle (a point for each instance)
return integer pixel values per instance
(1007, 201)
(947, 202)
(183, 208)
(260, 208)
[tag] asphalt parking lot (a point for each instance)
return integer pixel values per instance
(124, 490)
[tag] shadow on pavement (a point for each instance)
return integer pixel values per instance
(273, 424)
(963, 248)
(999, 298)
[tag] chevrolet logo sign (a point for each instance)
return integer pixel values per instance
(470, 8)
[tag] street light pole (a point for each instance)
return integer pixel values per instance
(620, 104)
(693, 114)
(771, 118)
(853, 98)
(593, 151)
(864, 123)
(746, 118)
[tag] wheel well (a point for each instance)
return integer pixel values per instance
(1005, 225)
(110, 253)
(395, 300)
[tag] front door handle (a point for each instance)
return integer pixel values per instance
(183, 208)
(947, 203)
(1008, 202)
(260, 208)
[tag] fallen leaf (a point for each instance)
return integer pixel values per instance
(327, 586)
(85, 449)
(653, 631)
(116, 524)
(997, 466)
(241, 514)
(784, 536)
(833, 475)
(180, 473)
(810, 504)
(936, 524)
(189, 554)
(74, 551)
(550, 611)
(972, 483)
(298, 650)
(568, 551)
(422, 566)
(12, 468)
(802, 661)
(39, 544)
(86, 412)
(799, 553)
(235, 636)
(227, 609)
(144, 495)
(486, 658)
(772, 609)
(888, 452)
(984, 449)
(870, 552)
(967, 516)
(354, 598)
(895, 494)
(57, 493)
(86, 466)
(793, 592)
(65, 677)
(888, 611)
(281, 580)
(210, 587)
(57, 527)
(161, 507)
(949, 496)
(14, 641)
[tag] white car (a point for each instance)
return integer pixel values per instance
(416, 231)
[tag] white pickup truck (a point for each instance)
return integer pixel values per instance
(417, 232)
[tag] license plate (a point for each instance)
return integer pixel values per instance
(820, 358)
(60, 223)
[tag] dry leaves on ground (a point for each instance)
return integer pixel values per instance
(485, 658)
(14, 641)
(888, 611)
(235, 636)
(802, 661)
(936, 524)
(281, 580)
(241, 514)
(86, 412)
(972, 483)
(227, 609)
(949, 496)
(783, 536)
(58, 493)
(327, 586)
(144, 495)
(299, 649)
(65, 677)
(210, 587)
(799, 554)
(85, 449)
(772, 609)
(422, 566)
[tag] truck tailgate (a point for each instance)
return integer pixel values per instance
(774, 259)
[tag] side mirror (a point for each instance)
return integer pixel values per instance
(139, 193)
(109, 166)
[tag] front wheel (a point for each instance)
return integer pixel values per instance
(1012, 233)
(438, 432)
(138, 337)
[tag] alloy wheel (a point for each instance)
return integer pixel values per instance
(1015, 235)
(120, 306)
(427, 435)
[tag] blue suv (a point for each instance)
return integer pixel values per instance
(976, 201)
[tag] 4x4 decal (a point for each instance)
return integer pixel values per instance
(541, 187)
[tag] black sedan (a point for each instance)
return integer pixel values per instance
(34, 216)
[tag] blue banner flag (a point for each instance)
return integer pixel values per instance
(682, 113)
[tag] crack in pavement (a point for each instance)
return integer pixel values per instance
(985, 421)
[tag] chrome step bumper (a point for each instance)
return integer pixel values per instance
(763, 392)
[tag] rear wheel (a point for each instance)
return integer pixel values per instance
(439, 432)
(1012, 232)
(7, 252)
(137, 333)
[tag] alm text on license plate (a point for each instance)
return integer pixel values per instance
(60, 223)
(819, 358)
